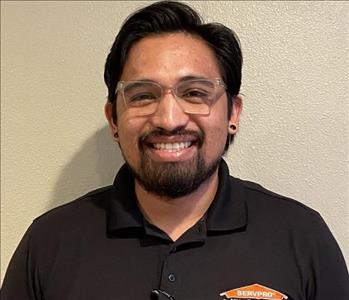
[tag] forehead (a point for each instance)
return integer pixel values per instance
(168, 57)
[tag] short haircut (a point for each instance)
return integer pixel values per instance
(169, 17)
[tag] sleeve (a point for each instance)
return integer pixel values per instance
(20, 281)
(330, 273)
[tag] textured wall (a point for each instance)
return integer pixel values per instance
(55, 143)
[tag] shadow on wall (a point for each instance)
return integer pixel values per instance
(93, 166)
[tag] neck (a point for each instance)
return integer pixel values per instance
(175, 216)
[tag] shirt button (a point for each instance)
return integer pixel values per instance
(171, 277)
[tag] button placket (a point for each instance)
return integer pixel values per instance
(171, 255)
(170, 276)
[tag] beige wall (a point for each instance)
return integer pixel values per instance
(55, 143)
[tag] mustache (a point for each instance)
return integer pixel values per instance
(198, 136)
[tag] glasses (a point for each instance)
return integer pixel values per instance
(195, 96)
(158, 294)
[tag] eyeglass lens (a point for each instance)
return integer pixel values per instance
(194, 96)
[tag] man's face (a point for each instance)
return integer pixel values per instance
(171, 152)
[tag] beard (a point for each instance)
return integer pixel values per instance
(174, 179)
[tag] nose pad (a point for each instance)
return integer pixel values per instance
(169, 91)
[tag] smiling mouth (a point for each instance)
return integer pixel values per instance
(170, 141)
(172, 147)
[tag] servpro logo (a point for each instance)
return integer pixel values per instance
(254, 291)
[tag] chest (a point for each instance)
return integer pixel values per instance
(132, 268)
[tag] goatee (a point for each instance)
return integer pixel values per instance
(174, 179)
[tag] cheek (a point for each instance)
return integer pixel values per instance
(130, 129)
(217, 135)
(127, 125)
(127, 134)
(216, 130)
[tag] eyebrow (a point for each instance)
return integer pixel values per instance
(185, 78)
(190, 77)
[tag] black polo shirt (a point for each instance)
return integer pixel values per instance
(251, 243)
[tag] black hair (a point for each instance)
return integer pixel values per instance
(169, 17)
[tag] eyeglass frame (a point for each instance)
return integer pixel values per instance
(120, 86)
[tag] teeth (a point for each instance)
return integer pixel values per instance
(172, 147)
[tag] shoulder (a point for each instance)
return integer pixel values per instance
(78, 214)
(270, 203)
(286, 219)
(296, 235)
(269, 212)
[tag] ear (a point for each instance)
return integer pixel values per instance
(235, 114)
(108, 111)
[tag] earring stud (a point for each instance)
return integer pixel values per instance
(233, 126)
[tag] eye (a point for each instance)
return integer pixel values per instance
(194, 95)
(141, 98)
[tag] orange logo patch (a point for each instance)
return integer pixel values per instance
(254, 291)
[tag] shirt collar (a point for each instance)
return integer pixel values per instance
(123, 211)
(227, 212)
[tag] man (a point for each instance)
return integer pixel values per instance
(175, 225)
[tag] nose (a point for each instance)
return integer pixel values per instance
(169, 114)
